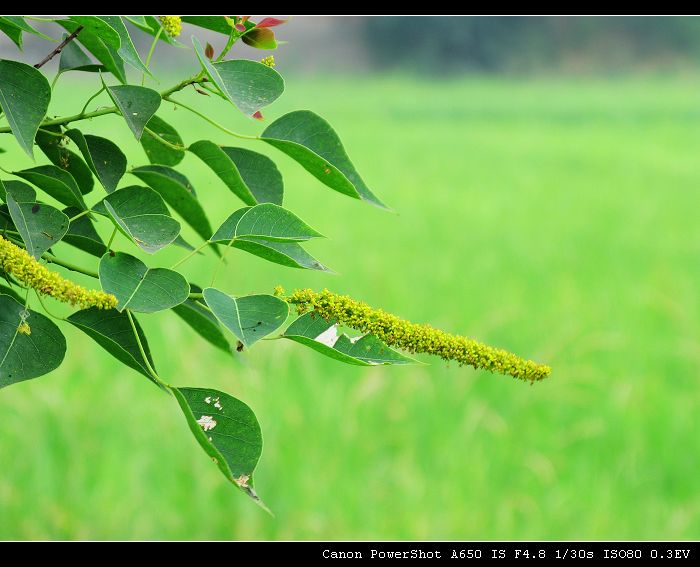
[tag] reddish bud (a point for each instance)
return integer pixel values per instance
(258, 115)
(209, 51)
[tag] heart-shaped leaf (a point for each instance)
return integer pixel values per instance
(113, 332)
(202, 321)
(250, 318)
(314, 331)
(136, 104)
(252, 177)
(249, 85)
(56, 182)
(227, 430)
(62, 157)
(157, 152)
(138, 287)
(266, 221)
(40, 226)
(289, 254)
(82, 234)
(103, 156)
(24, 98)
(178, 192)
(30, 343)
(141, 215)
(311, 141)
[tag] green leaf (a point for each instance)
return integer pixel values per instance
(105, 54)
(178, 192)
(314, 331)
(138, 287)
(251, 317)
(127, 51)
(21, 192)
(112, 331)
(82, 234)
(99, 27)
(64, 158)
(136, 104)
(309, 139)
(24, 356)
(11, 31)
(75, 59)
(227, 430)
(6, 290)
(289, 254)
(24, 98)
(213, 23)
(249, 85)
(142, 215)
(260, 38)
(19, 22)
(257, 180)
(203, 321)
(55, 182)
(151, 26)
(102, 156)
(40, 226)
(267, 222)
(157, 152)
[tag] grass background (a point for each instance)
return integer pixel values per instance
(557, 219)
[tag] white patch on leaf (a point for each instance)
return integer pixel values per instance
(329, 337)
(207, 422)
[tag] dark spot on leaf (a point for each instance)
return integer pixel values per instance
(35, 209)
(111, 253)
(239, 346)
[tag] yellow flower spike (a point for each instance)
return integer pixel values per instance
(171, 24)
(415, 338)
(29, 272)
(269, 61)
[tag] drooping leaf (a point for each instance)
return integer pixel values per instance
(64, 158)
(315, 332)
(142, 216)
(178, 192)
(251, 317)
(40, 226)
(203, 321)
(75, 59)
(99, 27)
(311, 141)
(19, 21)
(157, 152)
(136, 104)
(139, 288)
(289, 254)
(102, 156)
(21, 192)
(11, 31)
(267, 222)
(82, 234)
(27, 352)
(260, 38)
(257, 180)
(227, 430)
(113, 332)
(104, 53)
(24, 98)
(249, 85)
(55, 182)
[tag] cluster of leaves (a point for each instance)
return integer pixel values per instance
(149, 213)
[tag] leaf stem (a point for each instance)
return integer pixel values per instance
(163, 141)
(211, 121)
(150, 368)
(72, 267)
(48, 312)
(82, 214)
(221, 261)
(233, 38)
(196, 296)
(111, 238)
(150, 53)
(102, 88)
(190, 254)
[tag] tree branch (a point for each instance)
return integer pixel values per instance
(59, 48)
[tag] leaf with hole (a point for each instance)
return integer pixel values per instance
(34, 351)
(156, 151)
(102, 156)
(136, 104)
(251, 317)
(314, 331)
(56, 182)
(64, 158)
(249, 85)
(141, 214)
(267, 222)
(140, 288)
(227, 430)
(311, 141)
(40, 226)
(113, 332)
(178, 192)
(24, 98)
(203, 321)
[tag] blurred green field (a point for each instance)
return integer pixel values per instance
(554, 218)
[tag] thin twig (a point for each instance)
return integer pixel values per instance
(59, 48)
